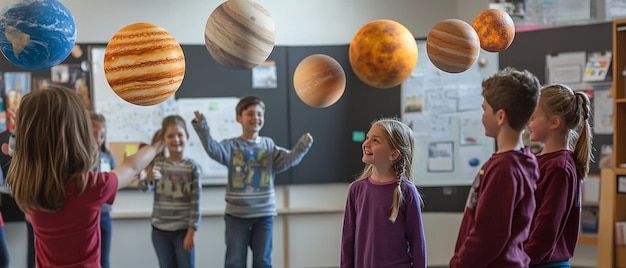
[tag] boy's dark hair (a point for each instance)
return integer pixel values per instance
(245, 102)
(515, 92)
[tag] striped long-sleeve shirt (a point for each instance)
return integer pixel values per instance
(177, 192)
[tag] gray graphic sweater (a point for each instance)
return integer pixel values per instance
(252, 166)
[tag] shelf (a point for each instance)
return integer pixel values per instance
(588, 239)
(613, 205)
(619, 171)
(620, 256)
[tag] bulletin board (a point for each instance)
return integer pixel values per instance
(444, 111)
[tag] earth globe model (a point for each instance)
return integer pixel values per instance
(36, 34)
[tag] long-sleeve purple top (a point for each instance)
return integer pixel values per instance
(370, 239)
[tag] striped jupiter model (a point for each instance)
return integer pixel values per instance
(144, 64)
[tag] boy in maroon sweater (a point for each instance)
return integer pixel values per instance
(501, 202)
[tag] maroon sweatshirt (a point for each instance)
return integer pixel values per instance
(554, 230)
(498, 213)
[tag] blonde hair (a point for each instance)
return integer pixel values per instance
(54, 146)
(574, 109)
(400, 138)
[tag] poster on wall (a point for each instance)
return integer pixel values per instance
(444, 111)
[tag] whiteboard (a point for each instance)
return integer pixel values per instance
(444, 111)
(221, 117)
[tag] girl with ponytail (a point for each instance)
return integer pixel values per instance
(561, 122)
(383, 222)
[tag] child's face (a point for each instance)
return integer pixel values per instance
(175, 138)
(538, 125)
(252, 119)
(99, 133)
(377, 149)
(490, 120)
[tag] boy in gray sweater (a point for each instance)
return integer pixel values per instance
(252, 163)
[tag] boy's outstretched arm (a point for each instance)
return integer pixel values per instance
(219, 152)
(284, 159)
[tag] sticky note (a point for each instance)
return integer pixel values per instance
(358, 136)
(213, 106)
(130, 149)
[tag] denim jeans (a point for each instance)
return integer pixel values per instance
(255, 233)
(105, 240)
(169, 249)
(4, 251)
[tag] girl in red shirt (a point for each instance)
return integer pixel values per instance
(50, 177)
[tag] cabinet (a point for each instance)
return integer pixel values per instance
(612, 203)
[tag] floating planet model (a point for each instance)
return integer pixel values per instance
(474, 162)
(239, 34)
(383, 53)
(495, 29)
(36, 35)
(319, 80)
(144, 64)
(452, 46)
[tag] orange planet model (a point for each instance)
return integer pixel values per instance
(383, 53)
(319, 80)
(144, 64)
(495, 29)
(452, 46)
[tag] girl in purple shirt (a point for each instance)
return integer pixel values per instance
(554, 230)
(383, 222)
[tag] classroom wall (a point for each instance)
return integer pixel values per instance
(307, 22)
(307, 230)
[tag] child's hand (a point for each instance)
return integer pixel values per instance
(199, 116)
(188, 241)
(306, 139)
